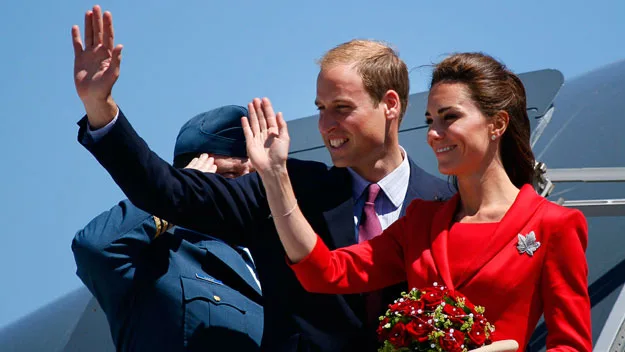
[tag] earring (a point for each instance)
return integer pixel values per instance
(493, 137)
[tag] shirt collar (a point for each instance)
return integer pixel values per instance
(394, 185)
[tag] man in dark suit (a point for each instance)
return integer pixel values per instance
(362, 94)
(174, 289)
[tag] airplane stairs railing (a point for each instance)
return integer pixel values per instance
(590, 207)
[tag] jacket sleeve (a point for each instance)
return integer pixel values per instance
(565, 286)
(207, 203)
(362, 267)
(107, 250)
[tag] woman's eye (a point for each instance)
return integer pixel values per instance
(450, 117)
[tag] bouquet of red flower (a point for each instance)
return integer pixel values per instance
(433, 319)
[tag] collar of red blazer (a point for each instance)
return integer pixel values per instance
(522, 210)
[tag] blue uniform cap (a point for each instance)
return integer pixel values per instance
(217, 131)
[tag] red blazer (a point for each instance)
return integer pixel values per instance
(515, 288)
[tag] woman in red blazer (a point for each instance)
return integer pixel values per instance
(496, 241)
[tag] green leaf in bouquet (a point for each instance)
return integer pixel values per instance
(434, 335)
(467, 325)
(415, 293)
(387, 347)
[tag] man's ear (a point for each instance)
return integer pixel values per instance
(392, 104)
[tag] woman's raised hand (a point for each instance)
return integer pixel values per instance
(266, 137)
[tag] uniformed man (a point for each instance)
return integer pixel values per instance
(173, 289)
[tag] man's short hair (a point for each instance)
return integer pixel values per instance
(217, 131)
(378, 65)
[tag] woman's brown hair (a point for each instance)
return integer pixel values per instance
(494, 88)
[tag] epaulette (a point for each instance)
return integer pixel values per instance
(162, 226)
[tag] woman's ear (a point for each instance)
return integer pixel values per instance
(499, 124)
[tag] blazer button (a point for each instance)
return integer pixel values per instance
(217, 298)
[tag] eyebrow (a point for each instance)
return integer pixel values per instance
(334, 101)
(440, 111)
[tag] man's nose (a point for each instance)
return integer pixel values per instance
(326, 122)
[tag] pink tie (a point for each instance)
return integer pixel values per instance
(369, 226)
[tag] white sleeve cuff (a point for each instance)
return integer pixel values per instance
(98, 134)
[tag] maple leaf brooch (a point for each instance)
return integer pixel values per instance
(527, 244)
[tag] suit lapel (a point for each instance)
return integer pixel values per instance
(438, 238)
(521, 211)
(413, 191)
(339, 208)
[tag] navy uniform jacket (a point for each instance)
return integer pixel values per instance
(236, 210)
(167, 291)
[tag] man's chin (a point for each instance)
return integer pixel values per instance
(339, 162)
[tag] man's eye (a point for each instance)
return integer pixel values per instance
(342, 107)
(428, 121)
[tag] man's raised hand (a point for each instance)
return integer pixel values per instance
(96, 66)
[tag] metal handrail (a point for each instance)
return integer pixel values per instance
(587, 174)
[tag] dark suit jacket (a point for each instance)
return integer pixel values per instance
(237, 211)
(180, 291)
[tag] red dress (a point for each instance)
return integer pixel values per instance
(485, 265)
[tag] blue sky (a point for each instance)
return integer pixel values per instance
(182, 58)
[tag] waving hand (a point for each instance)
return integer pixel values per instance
(96, 65)
(266, 137)
(267, 142)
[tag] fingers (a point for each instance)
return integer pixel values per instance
(283, 131)
(262, 122)
(247, 130)
(207, 164)
(94, 31)
(204, 163)
(192, 163)
(253, 118)
(262, 118)
(108, 36)
(268, 113)
(97, 25)
(89, 29)
(499, 346)
(76, 42)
